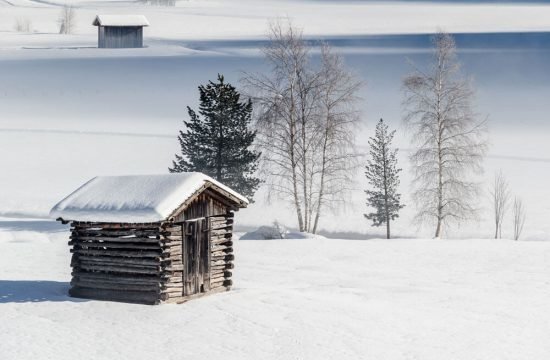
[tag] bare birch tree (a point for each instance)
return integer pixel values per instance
(519, 217)
(278, 121)
(500, 196)
(67, 20)
(337, 124)
(304, 124)
(448, 140)
(23, 25)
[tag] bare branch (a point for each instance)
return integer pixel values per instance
(519, 218)
(500, 196)
(449, 140)
(305, 123)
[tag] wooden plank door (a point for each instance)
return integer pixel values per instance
(196, 256)
(205, 254)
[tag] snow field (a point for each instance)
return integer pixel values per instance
(226, 19)
(298, 299)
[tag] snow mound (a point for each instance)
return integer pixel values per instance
(133, 199)
(276, 233)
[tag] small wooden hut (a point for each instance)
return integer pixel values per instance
(150, 239)
(120, 31)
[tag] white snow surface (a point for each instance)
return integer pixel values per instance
(247, 19)
(133, 198)
(296, 299)
(120, 20)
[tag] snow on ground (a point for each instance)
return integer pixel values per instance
(227, 19)
(294, 299)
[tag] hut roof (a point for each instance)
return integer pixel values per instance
(137, 199)
(120, 20)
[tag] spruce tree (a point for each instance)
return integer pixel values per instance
(383, 176)
(217, 141)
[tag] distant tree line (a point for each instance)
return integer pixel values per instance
(501, 199)
(66, 21)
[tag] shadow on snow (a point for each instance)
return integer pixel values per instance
(32, 225)
(31, 291)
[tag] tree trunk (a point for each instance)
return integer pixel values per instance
(307, 224)
(438, 229)
(439, 150)
(293, 163)
(295, 190)
(322, 182)
(439, 199)
(220, 150)
(386, 208)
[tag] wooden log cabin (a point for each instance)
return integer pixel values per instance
(150, 239)
(120, 31)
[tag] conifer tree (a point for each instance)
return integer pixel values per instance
(383, 176)
(217, 141)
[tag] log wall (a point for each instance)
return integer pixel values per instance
(118, 262)
(144, 263)
(120, 37)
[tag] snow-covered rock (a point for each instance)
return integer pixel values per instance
(276, 232)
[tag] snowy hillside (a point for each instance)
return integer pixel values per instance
(225, 19)
(314, 298)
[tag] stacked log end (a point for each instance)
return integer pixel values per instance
(221, 259)
(172, 264)
(221, 246)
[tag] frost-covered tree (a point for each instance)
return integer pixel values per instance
(519, 218)
(500, 196)
(333, 153)
(23, 25)
(448, 139)
(217, 141)
(67, 20)
(306, 123)
(383, 176)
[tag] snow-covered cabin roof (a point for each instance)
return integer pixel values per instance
(120, 20)
(137, 198)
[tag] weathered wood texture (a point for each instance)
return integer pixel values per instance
(167, 262)
(120, 37)
(206, 204)
(118, 262)
(205, 258)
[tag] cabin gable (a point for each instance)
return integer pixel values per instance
(209, 200)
